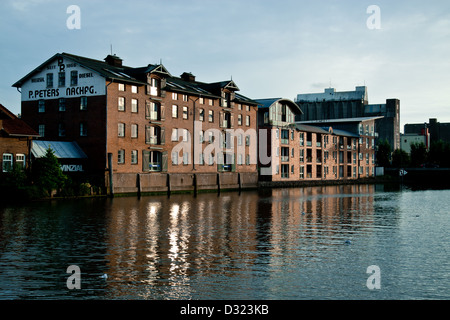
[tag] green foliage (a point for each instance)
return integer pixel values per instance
(419, 154)
(383, 153)
(400, 159)
(439, 154)
(47, 173)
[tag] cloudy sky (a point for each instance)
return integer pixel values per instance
(269, 48)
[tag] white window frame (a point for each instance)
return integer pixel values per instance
(121, 104)
(7, 158)
(134, 105)
(121, 130)
(134, 130)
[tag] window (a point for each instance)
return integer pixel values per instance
(201, 160)
(302, 172)
(174, 96)
(211, 159)
(61, 130)
(185, 135)
(239, 139)
(49, 80)
(302, 139)
(211, 116)
(185, 112)
(121, 87)
(154, 84)
(74, 78)
(134, 131)
(202, 100)
(41, 130)
(201, 136)
(134, 89)
(61, 79)
(121, 104)
(174, 134)
(185, 97)
(240, 119)
(83, 130)
(153, 135)
(20, 160)
(201, 115)
(239, 107)
(62, 104)
(247, 159)
(7, 163)
(211, 137)
(247, 140)
(154, 161)
(134, 157)
(302, 155)
(121, 157)
(247, 121)
(185, 158)
(121, 129)
(134, 105)
(211, 102)
(247, 108)
(153, 111)
(174, 111)
(240, 160)
(175, 158)
(41, 106)
(83, 103)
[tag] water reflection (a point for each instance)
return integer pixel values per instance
(271, 244)
(167, 243)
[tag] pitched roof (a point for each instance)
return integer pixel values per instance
(106, 70)
(13, 126)
(139, 76)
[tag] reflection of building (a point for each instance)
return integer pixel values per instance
(352, 104)
(437, 131)
(129, 121)
(15, 141)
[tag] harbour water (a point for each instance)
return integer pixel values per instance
(281, 244)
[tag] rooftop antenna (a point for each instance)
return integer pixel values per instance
(111, 50)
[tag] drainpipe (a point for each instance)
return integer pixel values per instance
(109, 155)
(193, 137)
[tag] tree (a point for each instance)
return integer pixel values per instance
(47, 173)
(400, 159)
(383, 153)
(418, 154)
(439, 154)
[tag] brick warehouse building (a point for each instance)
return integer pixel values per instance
(129, 121)
(341, 149)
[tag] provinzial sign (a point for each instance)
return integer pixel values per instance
(63, 78)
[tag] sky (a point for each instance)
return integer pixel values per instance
(271, 49)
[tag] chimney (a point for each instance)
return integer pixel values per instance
(113, 60)
(187, 76)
